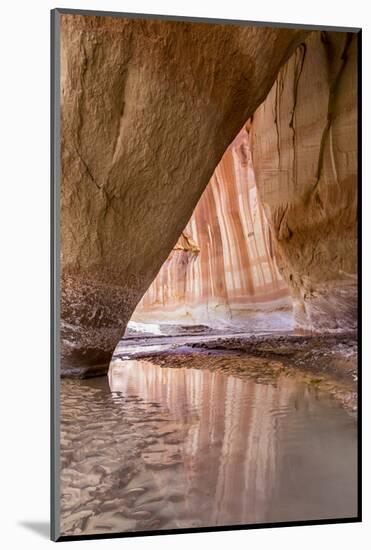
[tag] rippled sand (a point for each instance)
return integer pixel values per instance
(165, 448)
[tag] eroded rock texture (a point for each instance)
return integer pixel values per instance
(224, 272)
(304, 140)
(147, 110)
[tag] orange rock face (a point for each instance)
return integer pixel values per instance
(304, 145)
(303, 141)
(147, 110)
(222, 269)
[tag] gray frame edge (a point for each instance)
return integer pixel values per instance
(55, 274)
(193, 19)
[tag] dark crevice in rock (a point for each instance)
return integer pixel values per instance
(334, 86)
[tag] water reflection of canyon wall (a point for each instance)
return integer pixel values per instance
(234, 444)
(244, 452)
(223, 267)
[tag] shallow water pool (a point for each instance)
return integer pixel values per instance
(165, 448)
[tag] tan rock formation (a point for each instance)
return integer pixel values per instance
(147, 110)
(230, 274)
(304, 140)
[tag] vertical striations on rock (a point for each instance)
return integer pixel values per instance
(148, 108)
(228, 273)
(304, 145)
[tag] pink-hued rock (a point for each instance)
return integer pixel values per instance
(147, 110)
(304, 145)
(225, 271)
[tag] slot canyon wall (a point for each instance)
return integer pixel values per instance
(304, 146)
(147, 110)
(222, 271)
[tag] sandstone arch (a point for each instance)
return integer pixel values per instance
(303, 141)
(147, 110)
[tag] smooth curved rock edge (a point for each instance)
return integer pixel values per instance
(147, 110)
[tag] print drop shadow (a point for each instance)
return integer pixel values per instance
(41, 528)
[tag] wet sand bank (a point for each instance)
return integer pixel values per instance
(327, 361)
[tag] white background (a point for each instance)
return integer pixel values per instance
(24, 271)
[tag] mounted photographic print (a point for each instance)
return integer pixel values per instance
(204, 274)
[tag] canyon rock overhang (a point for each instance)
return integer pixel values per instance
(147, 110)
